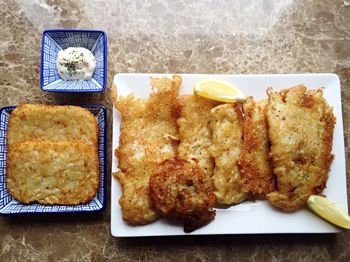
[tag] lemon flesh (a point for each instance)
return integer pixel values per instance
(329, 211)
(218, 90)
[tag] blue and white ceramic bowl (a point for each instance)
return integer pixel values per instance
(9, 206)
(55, 40)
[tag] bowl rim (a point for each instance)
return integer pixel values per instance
(105, 49)
(103, 185)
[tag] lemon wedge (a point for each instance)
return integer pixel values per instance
(329, 211)
(218, 90)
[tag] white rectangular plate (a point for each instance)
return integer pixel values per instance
(257, 217)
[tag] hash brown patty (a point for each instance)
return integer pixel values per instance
(30, 122)
(179, 189)
(65, 173)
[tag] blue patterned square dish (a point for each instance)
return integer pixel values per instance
(54, 40)
(9, 206)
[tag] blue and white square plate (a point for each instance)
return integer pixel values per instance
(54, 40)
(9, 206)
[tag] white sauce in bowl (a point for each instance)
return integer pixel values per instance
(76, 63)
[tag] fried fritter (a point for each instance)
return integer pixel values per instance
(227, 139)
(254, 162)
(301, 127)
(194, 130)
(31, 122)
(65, 173)
(180, 189)
(148, 136)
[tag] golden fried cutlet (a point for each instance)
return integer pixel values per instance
(301, 127)
(227, 139)
(254, 162)
(65, 173)
(31, 122)
(180, 189)
(194, 130)
(148, 136)
(135, 201)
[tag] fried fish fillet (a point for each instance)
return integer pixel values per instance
(227, 139)
(180, 189)
(148, 136)
(194, 130)
(254, 162)
(30, 122)
(301, 125)
(65, 173)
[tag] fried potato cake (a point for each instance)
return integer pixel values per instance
(148, 136)
(31, 122)
(65, 173)
(301, 125)
(254, 162)
(193, 121)
(180, 189)
(227, 139)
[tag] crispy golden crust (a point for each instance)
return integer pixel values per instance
(30, 122)
(227, 139)
(194, 130)
(254, 162)
(65, 173)
(136, 205)
(301, 127)
(148, 136)
(180, 189)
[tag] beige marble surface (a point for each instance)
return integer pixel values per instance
(241, 36)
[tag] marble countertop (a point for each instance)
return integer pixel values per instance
(231, 37)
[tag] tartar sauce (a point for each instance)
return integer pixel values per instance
(76, 63)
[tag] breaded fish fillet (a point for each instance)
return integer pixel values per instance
(301, 127)
(54, 123)
(180, 189)
(65, 173)
(227, 139)
(254, 162)
(148, 136)
(194, 130)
